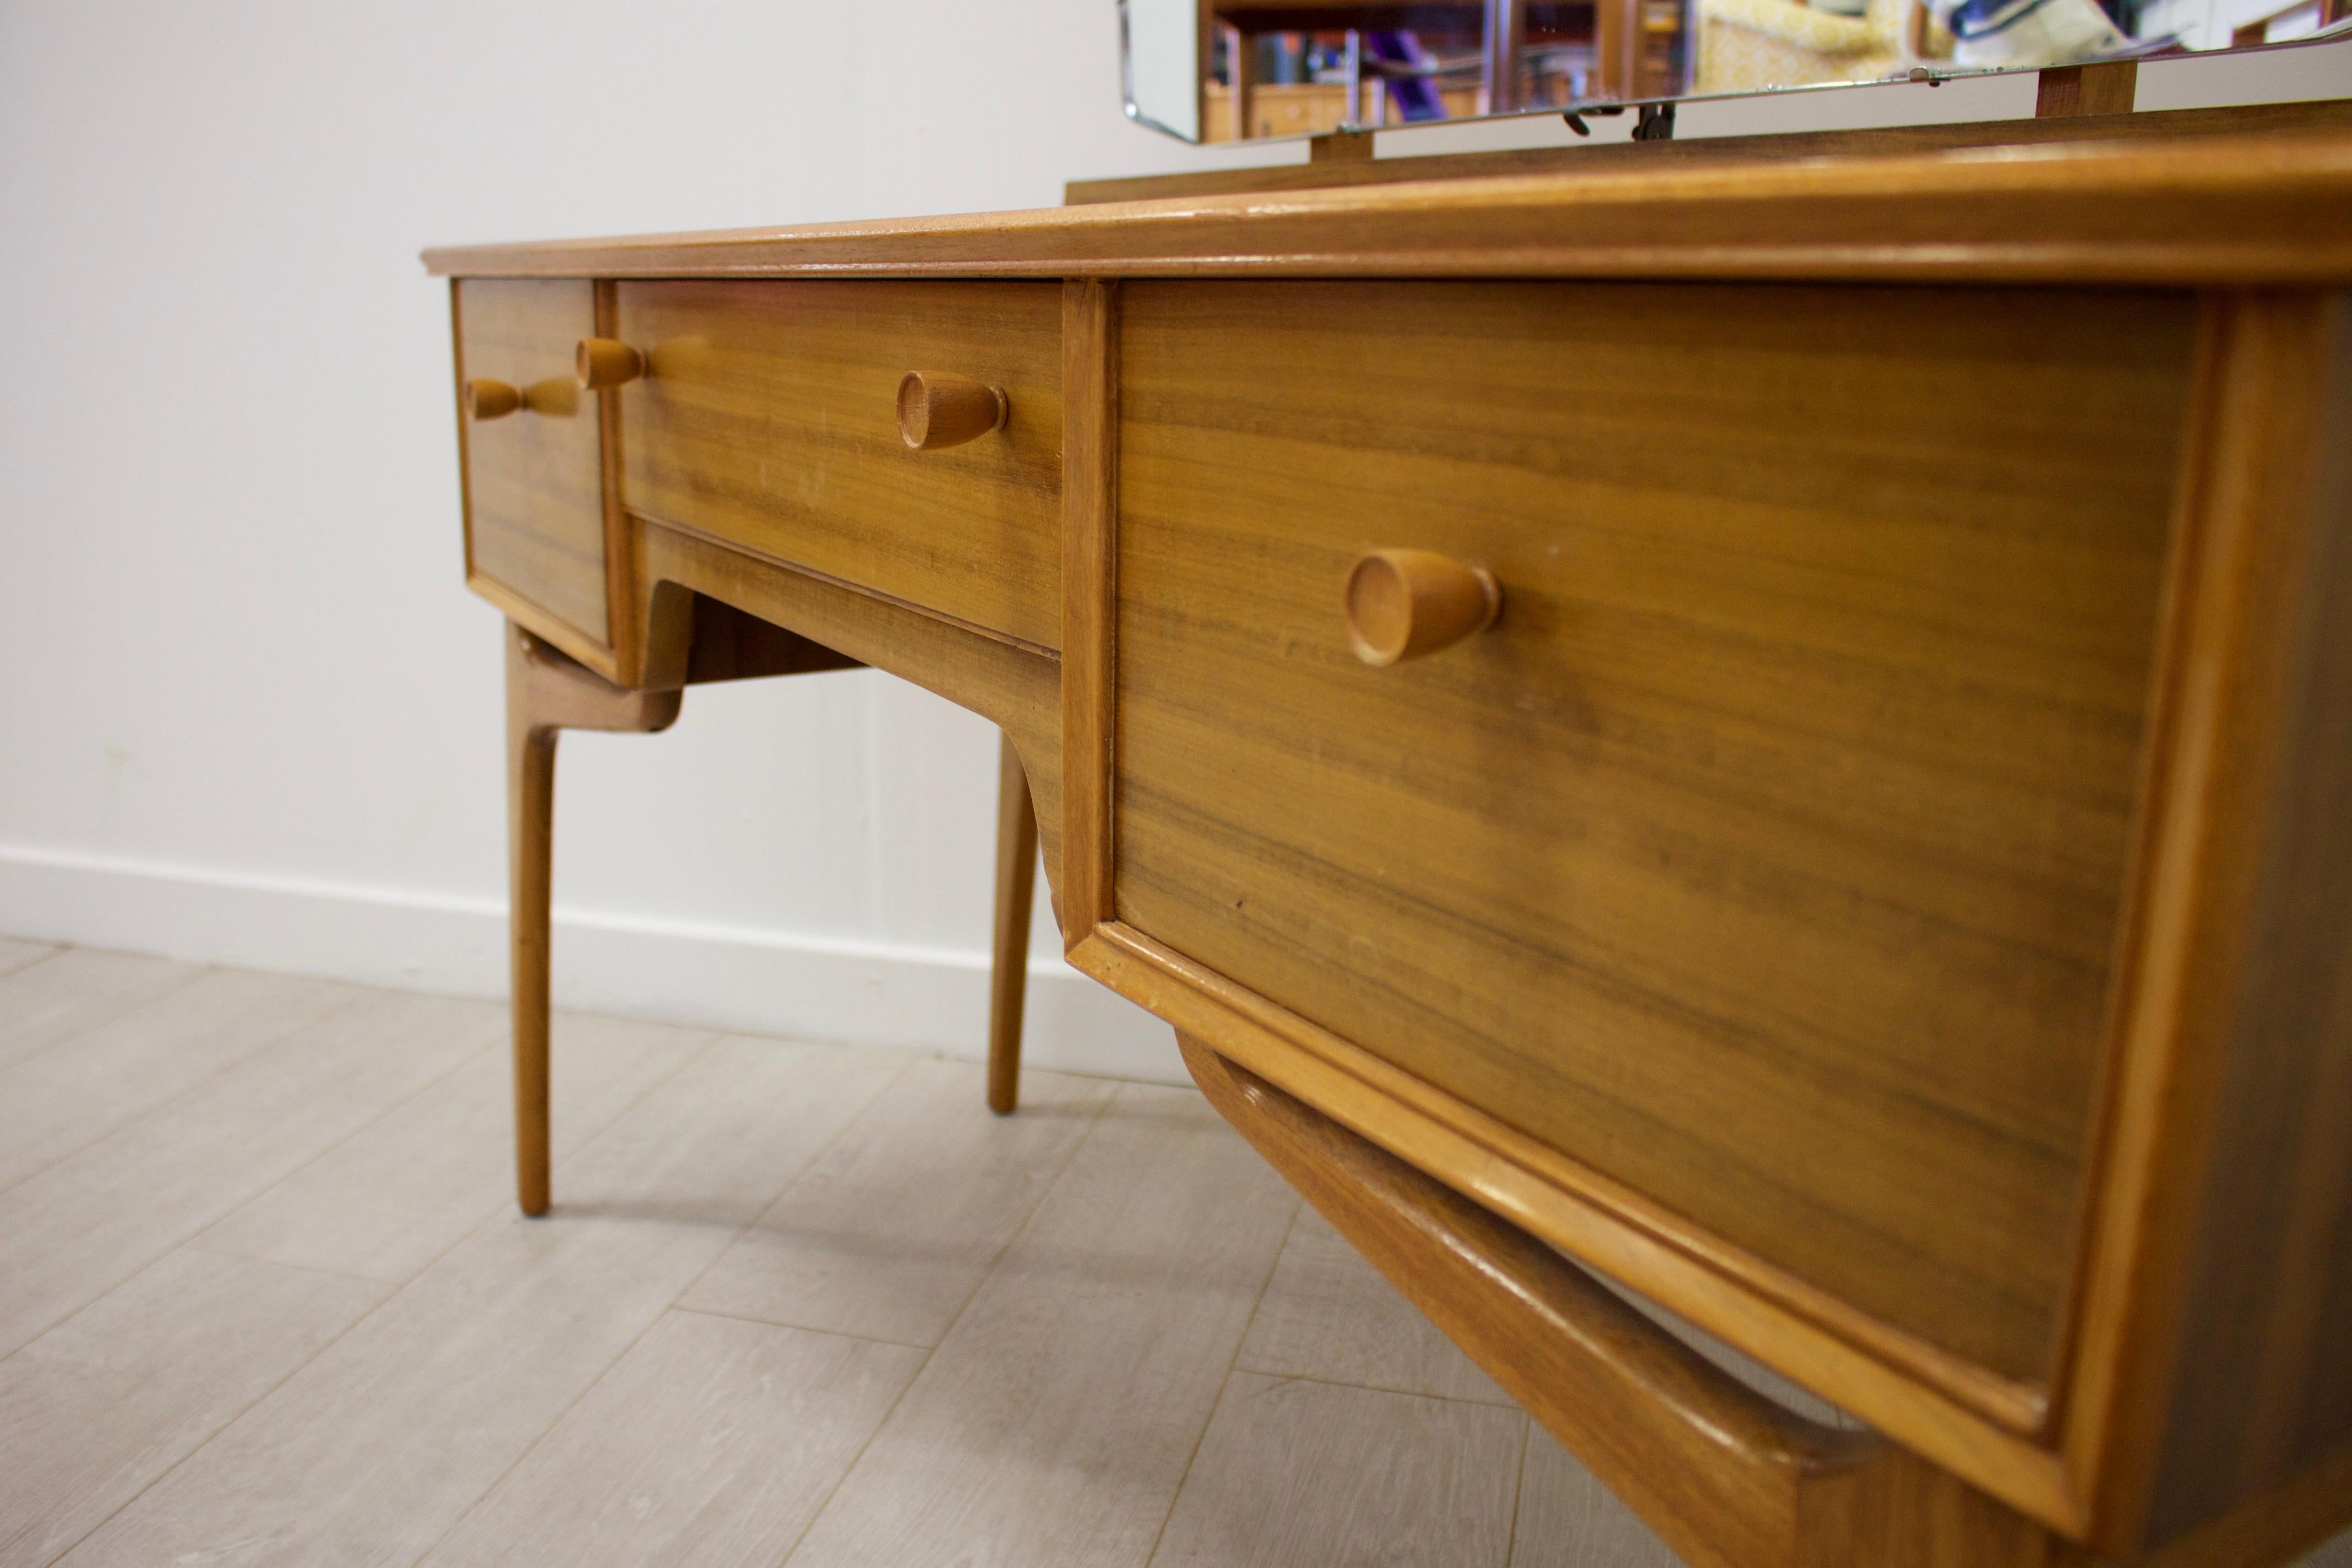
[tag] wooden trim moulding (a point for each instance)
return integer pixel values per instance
(641, 520)
(2244, 526)
(549, 628)
(465, 436)
(2229, 210)
(1089, 598)
(620, 588)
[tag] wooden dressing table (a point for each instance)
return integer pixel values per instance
(1877, 888)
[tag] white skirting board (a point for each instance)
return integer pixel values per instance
(753, 982)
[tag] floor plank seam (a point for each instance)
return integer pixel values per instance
(816, 1158)
(1505, 1402)
(667, 1307)
(99, 1022)
(233, 1418)
(687, 1058)
(1225, 1382)
(490, 1489)
(102, 1134)
(457, 1522)
(29, 963)
(794, 1328)
(1044, 1188)
(232, 1206)
(498, 1213)
(1518, 1486)
(817, 1514)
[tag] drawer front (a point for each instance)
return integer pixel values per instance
(769, 418)
(534, 476)
(1767, 855)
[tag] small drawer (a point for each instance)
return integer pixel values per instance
(768, 415)
(534, 475)
(1767, 855)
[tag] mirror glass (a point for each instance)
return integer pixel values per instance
(1227, 71)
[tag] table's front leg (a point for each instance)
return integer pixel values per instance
(1016, 887)
(546, 692)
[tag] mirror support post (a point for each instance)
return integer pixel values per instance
(2107, 88)
(1507, 36)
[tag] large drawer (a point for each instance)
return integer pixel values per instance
(768, 418)
(1768, 855)
(533, 464)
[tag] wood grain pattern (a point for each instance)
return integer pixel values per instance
(2186, 211)
(2075, 91)
(1090, 380)
(769, 418)
(711, 1444)
(1724, 865)
(890, 1232)
(2253, 119)
(534, 479)
(1295, 1474)
(2296, 1516)
(2264, 1385)
(728, 645)
(94, 1410)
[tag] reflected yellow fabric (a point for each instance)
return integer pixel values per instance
(1749, 44)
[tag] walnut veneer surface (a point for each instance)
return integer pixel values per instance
(1875, 889)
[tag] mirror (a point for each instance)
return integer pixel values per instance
(1227, 70)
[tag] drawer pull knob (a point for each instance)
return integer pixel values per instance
(491, 400)
(936, 411)
(1402, 603)
(601, 362)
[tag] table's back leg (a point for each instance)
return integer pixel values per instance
(546, 692)
(1016, 883)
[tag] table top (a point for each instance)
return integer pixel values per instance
(2274, 209)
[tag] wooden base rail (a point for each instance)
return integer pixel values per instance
(1726, 1477)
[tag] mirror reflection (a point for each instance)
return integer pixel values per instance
(1227, 70)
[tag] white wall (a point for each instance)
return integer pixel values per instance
(251, 714)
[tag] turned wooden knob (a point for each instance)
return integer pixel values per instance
(491, 400)
(936, 411)
(601, 362)
(1402, 603)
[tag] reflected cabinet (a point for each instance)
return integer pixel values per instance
(1228, 71)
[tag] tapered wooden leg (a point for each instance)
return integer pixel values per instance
(1016, 884)
(546, 692)
(531, 842)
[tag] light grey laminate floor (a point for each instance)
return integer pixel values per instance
(263, 1300)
